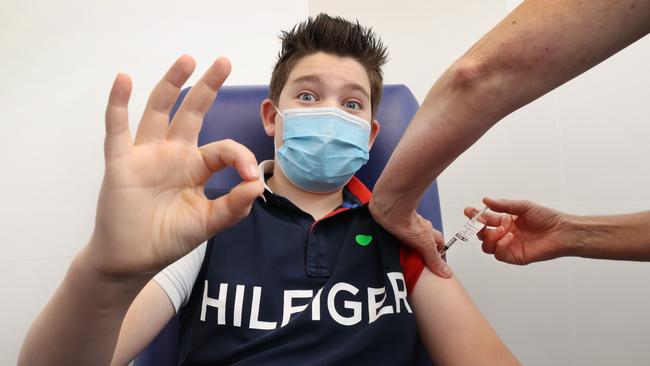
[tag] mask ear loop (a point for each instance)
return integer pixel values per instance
(275, 152)
(277, 110)
(275, 147)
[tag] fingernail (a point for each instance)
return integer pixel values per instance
(254, 171)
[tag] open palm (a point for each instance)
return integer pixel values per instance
(152, 209)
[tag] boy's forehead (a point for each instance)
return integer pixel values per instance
(325, 68)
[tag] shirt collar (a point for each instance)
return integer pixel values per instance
(354, 186)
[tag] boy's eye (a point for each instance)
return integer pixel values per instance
(307, 97)
(352, 105)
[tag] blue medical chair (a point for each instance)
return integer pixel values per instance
(235, 115)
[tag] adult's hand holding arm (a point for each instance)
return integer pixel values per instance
(539, 46)
(523, 232)
(151, 211)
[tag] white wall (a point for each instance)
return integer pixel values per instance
(57, 62)
(583, 149)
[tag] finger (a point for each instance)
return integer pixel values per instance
(118, 137)
(488, 247)
(488, 218)
(494, 235)
(481, 233)
(434, 261)
(502, 252)
(220, 154)
(229, 209)
(513, 207)
(470, 212)
(505, 240)
(439, 239)
(155, 119)
(484, 233)
(189, 118)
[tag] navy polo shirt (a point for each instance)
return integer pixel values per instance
(279, 288)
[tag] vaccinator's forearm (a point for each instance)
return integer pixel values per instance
(539, 46)
(620, 237)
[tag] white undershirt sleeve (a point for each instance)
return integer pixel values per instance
(177, 280)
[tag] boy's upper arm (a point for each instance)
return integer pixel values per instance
(156, 304)
(452, 328)
(147, 316)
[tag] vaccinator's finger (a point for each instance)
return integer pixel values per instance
(488, 218)
(513, 207)
(503, 252)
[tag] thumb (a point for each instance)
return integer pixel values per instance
(512, 207)
(234, 206)
(434, 261)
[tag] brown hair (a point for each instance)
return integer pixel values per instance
(336, 36)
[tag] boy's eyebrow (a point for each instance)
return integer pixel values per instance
(318, 80)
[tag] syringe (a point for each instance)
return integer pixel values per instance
(467, 232)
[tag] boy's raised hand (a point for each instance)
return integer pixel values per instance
(152, 209)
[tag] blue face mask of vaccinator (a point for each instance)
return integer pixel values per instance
(322, 147)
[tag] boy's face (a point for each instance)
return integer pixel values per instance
(322, 80)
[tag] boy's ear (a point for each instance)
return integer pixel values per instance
(268, 114)
(374, 131)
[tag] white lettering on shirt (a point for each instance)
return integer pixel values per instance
(354, 305)
(373, 306)
(288, 307)
(219, 303)
(379, 302)
(399, 294)
(255, 311)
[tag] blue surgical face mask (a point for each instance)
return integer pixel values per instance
(322, 147)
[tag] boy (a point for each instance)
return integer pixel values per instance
(307, 277)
